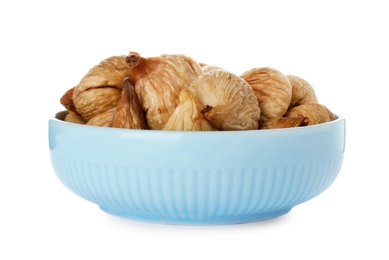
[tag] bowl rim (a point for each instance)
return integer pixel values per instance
(59, 116)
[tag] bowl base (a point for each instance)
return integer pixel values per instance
(197, 220)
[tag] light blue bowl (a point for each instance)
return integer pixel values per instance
(176, 177)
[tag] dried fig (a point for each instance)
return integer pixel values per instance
(187, 116)
(95, 101)
(229, 102)
(315, 113)
(209, 68)
(302, 91)
(284, 122)
(100, 89)
(273, 91)
(103, 119)
(127, 114)
(67, 101)
(74, 118)
(158, 83)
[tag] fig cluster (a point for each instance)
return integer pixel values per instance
(174, 92)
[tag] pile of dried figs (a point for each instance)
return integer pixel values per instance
(174, 92)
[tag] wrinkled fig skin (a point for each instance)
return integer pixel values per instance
(95, 101)
(302, 91)
(127, 114)
(228, 102)
(273, 91)
(284, 122)
(158, 83)
(100, 89)
(109, 72)
(74, 118)
(174, 92)
(141, 67)
(210, 68)
(187, 116)
(103, 119)
(315, 113)
(67, 101)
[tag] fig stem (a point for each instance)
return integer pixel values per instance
(128, 80)
(133, 59)
(206, 109)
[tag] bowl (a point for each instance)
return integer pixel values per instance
(196, 178)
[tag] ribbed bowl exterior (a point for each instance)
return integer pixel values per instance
(196, 177)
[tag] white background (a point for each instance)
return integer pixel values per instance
(340, 47)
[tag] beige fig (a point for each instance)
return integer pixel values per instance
(127, 114)
(284, 122)
(100, 89)
(302, 91)
(74, 118)
(158, 83)
(187, 116)
(315, 113)
(272, 89)
(67, 101)
(103, 119)
(229, 102)
(174, 92)
(209, 68)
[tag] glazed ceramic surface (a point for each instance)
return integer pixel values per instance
(223, 177)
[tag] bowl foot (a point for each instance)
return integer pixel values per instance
(188, 220)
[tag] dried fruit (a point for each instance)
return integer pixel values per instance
(229, 102)
(74, 118)
(103, 119)
(187, 116)
(284, 122)
(174, 92)
(127, 114)
(67, 101)
(302, 91)
(158, 83)
(96, 101)
(315, 113)
(100, 89)
(209, 68)
(273, 91)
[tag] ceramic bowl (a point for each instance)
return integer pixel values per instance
(178, 177)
